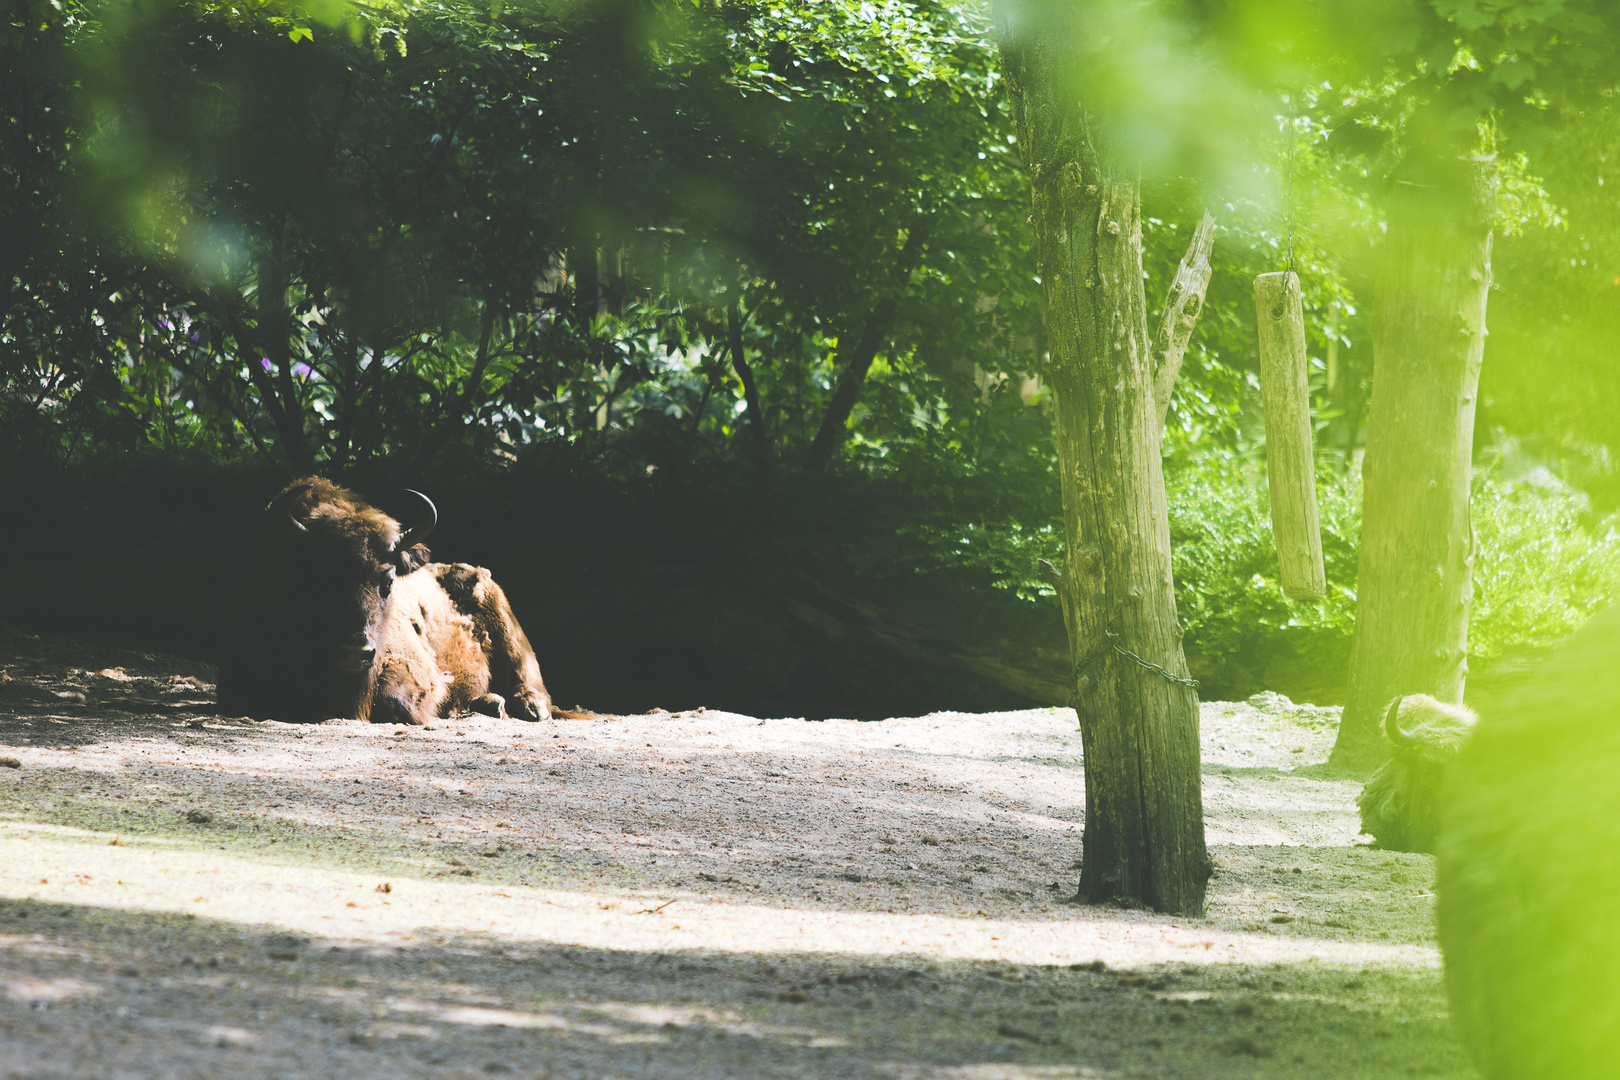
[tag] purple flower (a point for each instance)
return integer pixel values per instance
(264, 362)
(303, 371)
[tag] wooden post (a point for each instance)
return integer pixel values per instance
(1290, 464)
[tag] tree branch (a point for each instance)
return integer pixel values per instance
(756, 412)
(830, 435)
(1181, 313)
(223, 398)
(455, 411)
(247, 339)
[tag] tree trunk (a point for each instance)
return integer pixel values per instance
(1348, 399)
(745, 372)
(1417, 541)
(277, 328)
(1144, 828)
(830, 435)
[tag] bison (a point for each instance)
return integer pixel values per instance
(1528, 872)
(1400, 804)
(342, 614)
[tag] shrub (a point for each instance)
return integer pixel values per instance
(1228, 595)
(1543, 566)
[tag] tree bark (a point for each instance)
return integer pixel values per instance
(1181, 313)
(1415, 583)
(1144, 829)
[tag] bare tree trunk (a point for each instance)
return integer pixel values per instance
(745, 372)
(830, 435)
(1415, 583)
(276, 328)
(1144, 830)
(458, 408)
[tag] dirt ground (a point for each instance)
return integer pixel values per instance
(689, 894)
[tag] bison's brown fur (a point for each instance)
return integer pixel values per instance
(327, 624)
(451, 643)
(1400, 804)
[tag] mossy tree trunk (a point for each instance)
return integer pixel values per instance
(1144, 827)
(1415, 582)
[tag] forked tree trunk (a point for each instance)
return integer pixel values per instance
(1144, 827)
(830, 435)
(745, 372)
(1415, 584)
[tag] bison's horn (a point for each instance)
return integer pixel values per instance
(419, 532)
(292, 517)
(1392, 725)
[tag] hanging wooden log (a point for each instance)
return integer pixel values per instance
(1290, 464)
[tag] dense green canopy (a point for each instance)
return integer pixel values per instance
(773, 240)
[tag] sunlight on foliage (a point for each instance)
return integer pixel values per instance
(1544, 565)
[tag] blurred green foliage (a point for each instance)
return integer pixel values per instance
(451, 227)
(1545, 565)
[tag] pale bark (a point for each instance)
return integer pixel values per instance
(1290, 461)
(1415, 583)
(1181, 313)
(1144, 830)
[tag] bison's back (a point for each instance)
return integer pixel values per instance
(1529, 872)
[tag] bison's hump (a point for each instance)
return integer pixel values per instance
(463, 582)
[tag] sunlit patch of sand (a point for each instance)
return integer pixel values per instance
(59, 864)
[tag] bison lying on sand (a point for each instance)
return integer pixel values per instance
(1528, 873)
(342, 615)
(1400, 805)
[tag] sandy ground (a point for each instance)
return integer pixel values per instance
(697, 894)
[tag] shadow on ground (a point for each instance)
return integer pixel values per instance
(93, 992)
(577, 820)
